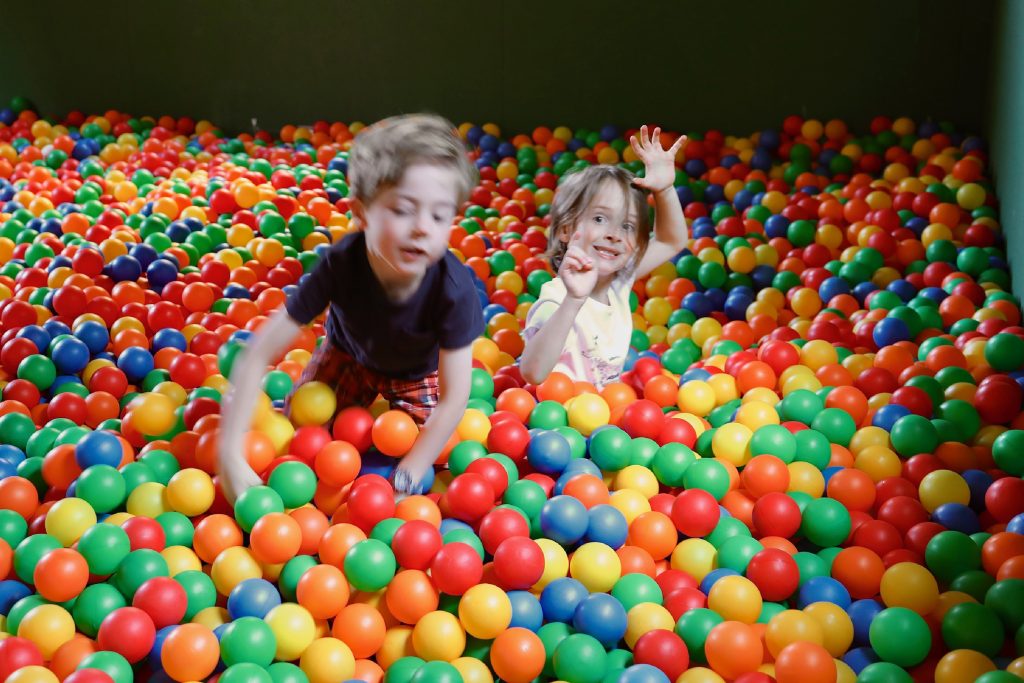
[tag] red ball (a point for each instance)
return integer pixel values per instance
(879, 536)
(145, 532)
(682, 600)
(493, 471)
(518, 563)
(672, 580)
(109, 379)
(371, 501)
(775, 574)
(354, 425)
(776, 514)
(501, 524)
(22, 391)
(677, 431)
(998, 402)
(188, 370)
(69, 406)
(308, 441)
(643, 418)
(469, 496)
(163, 599)
(902, 512)
(16, 653)
(510, 438)
(664, 650)
(127, 631)
(915, 399)
(695, 513)
(416, 543)
(15, 350)
(456, 568)
(1005, 498)
(918, 536)
(890, 487)
(89, 676)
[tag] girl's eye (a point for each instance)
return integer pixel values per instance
(599, 219)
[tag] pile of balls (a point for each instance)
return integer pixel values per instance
(810, 470)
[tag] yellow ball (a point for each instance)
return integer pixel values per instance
(836, 626)
(68, 519)
(630, 503)
(962, 665)
(731, 442)
(792, 626)
(587, 413)
(397, 644)
(327, 660)
(646, 617)
(657, 310)
(736, 598)
(806, 478)
(32, 674)
(556, 563)
(313, 403)
(817, 354)
(438, 636)
(724, 386)
(49, 627)
(909, 585)
(190, 492)
(941, 487)
(868, 436)
(233, 566)
(293, 627)
(485, 611)
(757, 414)
(699, 674)
(148, 500)
(970, 196)
(596, 566)
(704, 329)
(474, 426)
(153, 414)
(697, 397)
(181, 559)
(472, 670)
(878, 462)
(696, 557)
(637, 478)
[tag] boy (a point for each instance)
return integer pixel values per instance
(403, 309)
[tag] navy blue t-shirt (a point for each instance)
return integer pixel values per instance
(399, 340)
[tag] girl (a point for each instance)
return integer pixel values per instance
(599, 243)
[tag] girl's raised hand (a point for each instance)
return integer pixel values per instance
(659, 163)
(577, 270)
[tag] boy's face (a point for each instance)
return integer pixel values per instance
(408, 224)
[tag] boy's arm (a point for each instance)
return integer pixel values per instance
(544, 348)
(454, 369)
(270, 340)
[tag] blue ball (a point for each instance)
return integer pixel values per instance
(37, 335)
(253, 598)
(559, 599)
(526, 610)
(862, 613)
(450, 524)
(714, 576)
(11, 592)
(833, 286)
(94, 335)
(601, 616)
(957, 517)
(888, 331)
(70, 355)
(169, 338)
(158, 645)
(549, 452)
(887, 415)
(823, 589)
(642, 673)
(978, 482)
(98, 448)
(1016, 524)
(124, 268)
(607, 525)
(135, 362)
(564, 519)
(860, 658)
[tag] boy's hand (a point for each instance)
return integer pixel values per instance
(659, 163)
(237, 477)
(577, 270)
(409, 475)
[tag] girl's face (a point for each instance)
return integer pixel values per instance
(609, 230)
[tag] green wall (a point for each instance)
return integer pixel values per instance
(1007, 129)
(737, 65)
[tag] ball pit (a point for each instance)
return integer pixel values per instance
(810, 469)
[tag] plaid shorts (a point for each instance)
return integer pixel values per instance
(357, 385)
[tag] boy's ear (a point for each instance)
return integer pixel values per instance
(358, 213)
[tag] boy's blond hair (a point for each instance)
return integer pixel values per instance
(382, 152)
(576, 193)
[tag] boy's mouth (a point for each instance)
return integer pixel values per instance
(413, 252)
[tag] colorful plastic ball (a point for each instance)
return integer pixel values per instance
(252, 597)
(438, 636)
(48, 627)
(733, 649)
(826, 522)
(804, 661)
(601, 616)
(456, 567)
(911, 586)
(485, 611)
(900, 636)
(517, 656)
(974, 627)
(560, 598)
(775, 574)
(313, 403)
(663, 650)
(564, 519)
(580, 659)
(596, 566)
(370, 565)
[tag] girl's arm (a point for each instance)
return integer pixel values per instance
(544, 348)
(270, 340)
(670, 232)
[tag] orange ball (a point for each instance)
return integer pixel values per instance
(733, 649)
(275, 538)
(313, 524)
(20, 495)
(214, 534)
(517, 401)
(337, 541)
(190, 653)
(849, 399)
(323, 591)
(557, 387)
(804, 662)
(411, 595)
(61, 574)
(337, 463)
(394, 432)
(860, 570)
(636, 560)
(999, 548)
(588, 489)
(755, 374)
(765, 474)
(361, 627)
(853, 488)
(654, 532)
(517, 655)
(662, 390)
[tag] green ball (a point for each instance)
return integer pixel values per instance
(769, 610)
(481, 384)
(39, 370)
(178, 529)
(712, 274)
(951, 553)
(883, 672)
(135, 474)
(972, 260)
(370, 565)
(403, 669)
(1005, 352)
(465, 536)
(643, 451)
(286, 672)
(102, 486)
(248, 639)
(727, 528)
(199, 590)
(464, 453)
(437, 672)
(709, 475)
(810, 566)
(694, 626)
(580, 659)
(104, 547)
(548, 415)
(110, 663)
(774, 440)
(900, 636)
(913, 434)
(632, 589)
(385, 529)
(20, 609)
(256, 502)
(277, 384)
(670, 463)
(28, 553)
(526, 495)
(292, 572)
(801, 233)
(140, 566)
(163, 464)
(294, 482)
(245, 673)
(826, 522)
(802, 406)
(997, 676)
(13, 527)
(963, 415)
(93, 605)
(610, 449)
(1006, 598)
(812, 446)
(736, 552)
(973, 627)
(16, 429)
(974, 582)
(1008, 452)
(837, 425)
